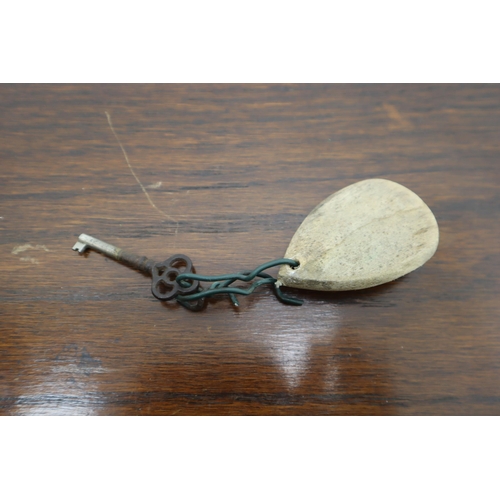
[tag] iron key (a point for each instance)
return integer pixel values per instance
(164, 274)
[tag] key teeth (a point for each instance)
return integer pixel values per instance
(80, 247)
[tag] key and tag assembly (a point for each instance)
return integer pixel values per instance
(367, 234)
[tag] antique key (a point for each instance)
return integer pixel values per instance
(176, 278)
(165, 285)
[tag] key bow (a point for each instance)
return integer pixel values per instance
(165, 285)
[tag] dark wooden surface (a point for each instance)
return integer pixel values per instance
(240, 166)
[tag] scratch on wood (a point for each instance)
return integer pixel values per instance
(156, 185)
(396, 116)
(23, 248)
(135, 176)
(140, 183)
(29, 259)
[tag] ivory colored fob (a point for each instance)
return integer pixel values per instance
(366, 234)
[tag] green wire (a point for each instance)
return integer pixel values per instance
(238, 276)
(221, 283)
(215, 291)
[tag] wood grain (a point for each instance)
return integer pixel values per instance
(232, 171)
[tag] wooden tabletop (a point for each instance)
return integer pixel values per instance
(225, 174)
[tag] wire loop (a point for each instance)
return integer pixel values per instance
(222, 284)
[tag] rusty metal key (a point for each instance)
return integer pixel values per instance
(164, 285)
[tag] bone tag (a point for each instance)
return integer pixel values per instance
(366, 234)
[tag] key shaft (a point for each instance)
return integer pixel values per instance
(137, 262)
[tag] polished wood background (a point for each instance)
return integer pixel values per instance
(231, 171)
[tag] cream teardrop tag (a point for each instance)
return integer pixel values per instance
(366, 234)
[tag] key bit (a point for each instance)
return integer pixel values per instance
(164, 285)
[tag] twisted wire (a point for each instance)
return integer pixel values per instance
(221, 285)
